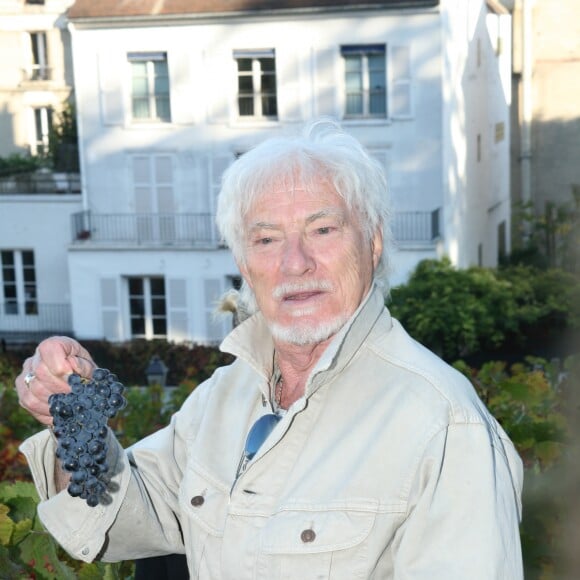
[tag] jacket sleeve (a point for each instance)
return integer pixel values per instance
(140, 519)
(464, 509)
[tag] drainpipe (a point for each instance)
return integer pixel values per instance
(527, 111)
(81, 145)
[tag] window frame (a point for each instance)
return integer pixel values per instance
(148, 296)
(39, 63)
(363, 52)
(258, 93)
(23, 300)
(152, 95)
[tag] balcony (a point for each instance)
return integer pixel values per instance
(37, 72)
(199, 230)
(47, 320)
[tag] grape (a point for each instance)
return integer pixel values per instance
(80, 427)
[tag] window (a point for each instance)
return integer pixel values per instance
(19, 282)
(365, 80)
(256, 83)
(40, 71)
(34, 2)
(42, 129)
(148, 307)
(149, 86)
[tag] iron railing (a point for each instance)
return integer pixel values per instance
(417, 226)
(200, 230)
(38, 183)
(145, 229)
(43, 319)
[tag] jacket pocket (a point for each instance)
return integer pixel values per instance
(204, 502)
(317, 542)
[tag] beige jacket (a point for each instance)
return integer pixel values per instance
(389, 468)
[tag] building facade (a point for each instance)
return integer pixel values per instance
(169, 94)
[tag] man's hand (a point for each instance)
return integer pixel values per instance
(53, 361)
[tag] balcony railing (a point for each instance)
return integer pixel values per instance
(199, 229)
(48, 319)
(145, 229)
(417, 226)
(37, 72)
(40, 183)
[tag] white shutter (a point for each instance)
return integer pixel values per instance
(218, 164)
(111, 315)
(220, 76)
(325, 81)
(178, 313)
(288, 84)
(400, 97)
(214, 325)
(110, 69)
(184, 92)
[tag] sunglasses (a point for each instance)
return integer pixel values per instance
(259, 432)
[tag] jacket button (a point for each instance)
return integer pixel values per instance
(308, 536)
(197, 501)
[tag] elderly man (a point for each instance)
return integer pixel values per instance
(335, 446)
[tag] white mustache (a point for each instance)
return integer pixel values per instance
(296, 287)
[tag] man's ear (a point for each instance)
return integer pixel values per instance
(244, 272)
(377, 247)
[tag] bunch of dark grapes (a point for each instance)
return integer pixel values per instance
(80, 425)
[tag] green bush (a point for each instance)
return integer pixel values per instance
(505, 313)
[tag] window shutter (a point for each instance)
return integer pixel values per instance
(288, 84)
(177, 307)
(325, 82)
(111, 88)
(220, 75)
(213, 324)
(218, 164)
(111, 315)
(400, 98)
(184, 93)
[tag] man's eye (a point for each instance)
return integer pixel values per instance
(325, 230)
(264, 241)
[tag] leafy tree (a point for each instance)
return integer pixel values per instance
(481, 311)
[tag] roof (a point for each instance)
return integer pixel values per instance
(82, 9)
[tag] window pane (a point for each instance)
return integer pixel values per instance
(158, 306)
(246, 105)
(159, 326)
(244, 64)
(354, 104)
(245, 85)
(352, 64)
(9, 275)
(353, 83)
(7, 258)
(378, 104)
(139, 87)
(269, 108)
(267, 64)
(163, 108)
(138, 326)
(135, 286)
(158, 286)
(269, 84)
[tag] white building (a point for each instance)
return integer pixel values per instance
(169, 93)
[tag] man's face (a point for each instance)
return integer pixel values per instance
(308, 262)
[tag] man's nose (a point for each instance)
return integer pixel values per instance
(297, 259)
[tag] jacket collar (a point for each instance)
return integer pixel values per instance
(252, 342)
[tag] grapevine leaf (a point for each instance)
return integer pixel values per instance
(22, 508)
(10, 570)
(39, 551)
(21, 530)
(6, 525)
(10, 490)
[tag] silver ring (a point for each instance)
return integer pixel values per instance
(28, 378)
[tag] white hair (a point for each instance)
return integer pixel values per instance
(322, 152)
